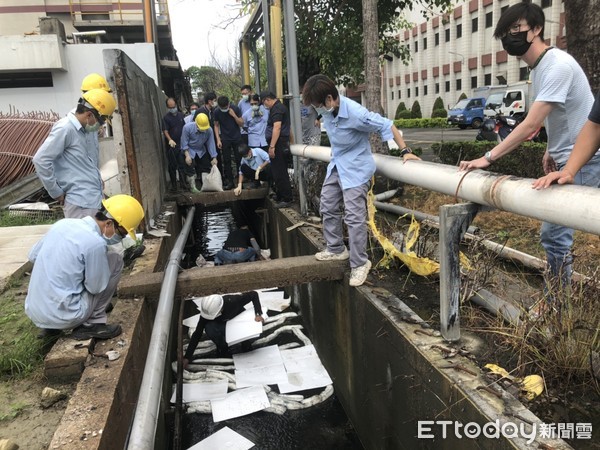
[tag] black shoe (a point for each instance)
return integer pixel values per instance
(97, 330)
(283, 204)
(227, 186)
(109, 307)
(48, 333)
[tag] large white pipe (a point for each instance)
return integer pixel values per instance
(572, 206)
(143, 430)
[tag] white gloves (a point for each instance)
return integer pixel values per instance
(238, 190)
(257, 173)
(214, 161)
(188, 160)
(172, 143)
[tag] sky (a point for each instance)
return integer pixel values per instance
(200, 28)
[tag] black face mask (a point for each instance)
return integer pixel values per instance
(516, 44)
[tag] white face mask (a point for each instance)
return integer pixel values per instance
(245, 97)
(92, 128)
(224, 109)
(255, 107)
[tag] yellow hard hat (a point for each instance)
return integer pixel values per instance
(202, 122)
(101, 101)
(126, 210)
(95, 81)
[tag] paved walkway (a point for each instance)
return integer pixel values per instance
(15, 243)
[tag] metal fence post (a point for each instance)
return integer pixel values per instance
(454, 221)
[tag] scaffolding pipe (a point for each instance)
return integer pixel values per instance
(571, 206)
(143, 430)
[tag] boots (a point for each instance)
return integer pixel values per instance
(192, 181)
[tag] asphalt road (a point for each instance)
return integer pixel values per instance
(424, 137)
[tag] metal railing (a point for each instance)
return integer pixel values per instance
(118, 12)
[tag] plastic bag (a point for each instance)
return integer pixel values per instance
(211, 182)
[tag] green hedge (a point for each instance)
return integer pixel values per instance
(421, 123)
(525, 161)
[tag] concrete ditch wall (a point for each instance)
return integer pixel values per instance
(387, 377)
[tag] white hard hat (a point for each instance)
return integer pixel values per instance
(210, 307)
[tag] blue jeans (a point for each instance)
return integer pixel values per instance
(557, 239)
(224, 256)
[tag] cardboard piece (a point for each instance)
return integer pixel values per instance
(239, 403)
(304, 370)
(198, 392)
(225, 438)
(242, 327)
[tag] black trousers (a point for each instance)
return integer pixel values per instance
(279, 165)
(229, 152)
(175, 162)
(264, 175)
(199, 165)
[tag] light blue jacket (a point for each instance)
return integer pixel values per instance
(197, 142)
(259, 157)
(256, 126)
(70, 264)
(67, 163)
(348, 134)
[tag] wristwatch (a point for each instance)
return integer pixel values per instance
(405, 151)
(488, 156)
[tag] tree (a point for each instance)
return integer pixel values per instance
(438, 108)
(582, 21)
(330, 35)
(416, 110)
(222, 81)
(401, 107)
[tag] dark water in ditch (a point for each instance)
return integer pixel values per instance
(323, 426)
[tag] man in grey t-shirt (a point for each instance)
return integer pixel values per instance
(562, 99)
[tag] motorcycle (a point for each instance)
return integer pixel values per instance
(497, 128)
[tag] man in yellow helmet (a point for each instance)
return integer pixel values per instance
(198, 146)
(67, 163)
(74, 279)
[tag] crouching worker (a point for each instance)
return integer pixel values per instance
(255, 166)
(240, 246)
(215, 311)
(74, 276)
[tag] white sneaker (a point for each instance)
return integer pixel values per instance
(326, 255)
(358, 275)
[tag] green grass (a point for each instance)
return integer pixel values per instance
(11, 220)
(14, 410)
(21, 352)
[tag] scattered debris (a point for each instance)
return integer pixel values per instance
(50, 397)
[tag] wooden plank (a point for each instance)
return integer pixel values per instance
(238, 277)
(216, 198)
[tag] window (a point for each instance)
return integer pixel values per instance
(437, 88)
(474, 24)
(546, 3)
(425, 90)
(25, 80)
(489, 20)
(458, 84)
(424, 43)
(487, 79)
(504, 8)
(447, 35)
(399, 94)
(473, 82)
(437, 39)
(447, 86)
(408, 93)
(523, 73)
(392, 95)
(417, 91)
(416, 46)
(458, 30)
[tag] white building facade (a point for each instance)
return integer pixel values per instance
(454, 53)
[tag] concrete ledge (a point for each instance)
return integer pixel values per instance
(67, 358)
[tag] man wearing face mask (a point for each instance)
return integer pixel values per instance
(228, 120)
(277, 135)
(172, 126)
(349, 172)
(198, 145)
(255, 121)
(65, 162)
(245, 105)
(74, 279)
(562, 101)
(193, 108)
(254, 165)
